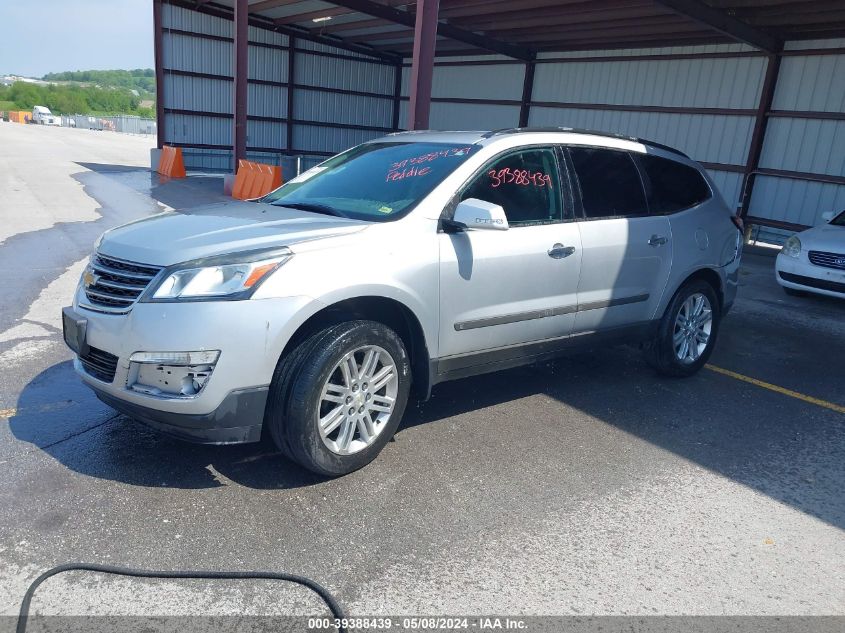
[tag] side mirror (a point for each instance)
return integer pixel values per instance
(473, 213)
(828, 216)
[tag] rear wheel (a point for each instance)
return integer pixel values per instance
(687, 331)
(339, 396)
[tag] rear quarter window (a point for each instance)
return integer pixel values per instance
(671, 186)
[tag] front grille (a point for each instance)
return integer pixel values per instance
(812, 282)
(99, 364)
(828, 260)
(117, 284)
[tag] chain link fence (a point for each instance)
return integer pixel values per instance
(126, 124)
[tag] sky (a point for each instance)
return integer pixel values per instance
(46, 36)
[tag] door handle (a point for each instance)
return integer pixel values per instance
(559, 251)
(657, 240)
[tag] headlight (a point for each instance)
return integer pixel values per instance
(792, 247)
(227, 277)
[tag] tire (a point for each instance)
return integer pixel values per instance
(792, 292)
(662, 354)
(315, 381)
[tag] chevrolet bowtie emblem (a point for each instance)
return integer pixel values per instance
(89, 278)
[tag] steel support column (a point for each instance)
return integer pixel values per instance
(758, 136)
(241, 66)
(422, 66)
(527, 94)
(158, 32)
(397, 95)
(290, 89)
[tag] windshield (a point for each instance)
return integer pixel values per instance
(839, 220)
(377, 181)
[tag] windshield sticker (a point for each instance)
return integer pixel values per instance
(522, 177)
(411, 166)
(385, 209)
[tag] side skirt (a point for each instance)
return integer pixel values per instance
(487, 361)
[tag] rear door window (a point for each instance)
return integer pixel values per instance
(610, 183)
(671, 186)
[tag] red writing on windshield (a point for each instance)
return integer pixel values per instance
(409, 172)
(410, 167)
(522, 177)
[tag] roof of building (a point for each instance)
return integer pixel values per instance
(528, 27)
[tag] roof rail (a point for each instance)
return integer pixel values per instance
(625, 137)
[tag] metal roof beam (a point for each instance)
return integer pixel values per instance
(543, 36)
(357, 25)
(448, 11)
(311, 15)
(259, 21)
(582, 21)
(508, 8)
(269, 4)
(724, 23)
(408, 19)
(332, 40)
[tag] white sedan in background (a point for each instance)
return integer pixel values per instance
(814, 260)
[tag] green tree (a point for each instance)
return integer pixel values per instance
(74, 98)
(141, 79)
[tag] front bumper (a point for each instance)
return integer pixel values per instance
(229, 408)
(238, 419)
(800, 274)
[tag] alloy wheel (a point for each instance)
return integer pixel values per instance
(358, 399)
(693, 327)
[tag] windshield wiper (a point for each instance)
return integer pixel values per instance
(311, 206)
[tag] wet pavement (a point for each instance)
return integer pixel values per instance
(584, 486)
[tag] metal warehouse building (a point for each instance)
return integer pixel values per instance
(753, 89)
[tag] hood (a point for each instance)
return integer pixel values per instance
(827, 237)
(228, 227)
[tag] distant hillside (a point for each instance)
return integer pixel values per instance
(140, 79)
(75, 98)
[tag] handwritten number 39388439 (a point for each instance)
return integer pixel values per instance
(522, 177)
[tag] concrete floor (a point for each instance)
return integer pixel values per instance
(585, 486)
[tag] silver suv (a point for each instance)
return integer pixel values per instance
(417, 258)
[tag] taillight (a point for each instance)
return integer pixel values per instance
(738, 223)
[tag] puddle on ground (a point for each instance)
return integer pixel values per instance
(34, 259)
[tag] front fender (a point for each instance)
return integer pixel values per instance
(395, 262)
(424, 315)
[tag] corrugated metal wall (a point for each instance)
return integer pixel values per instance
(704, 107)
(471, 97)
(700, 99)
(340, 98)
(811, 146)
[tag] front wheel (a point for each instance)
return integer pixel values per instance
(337, 399)
(687, 332)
